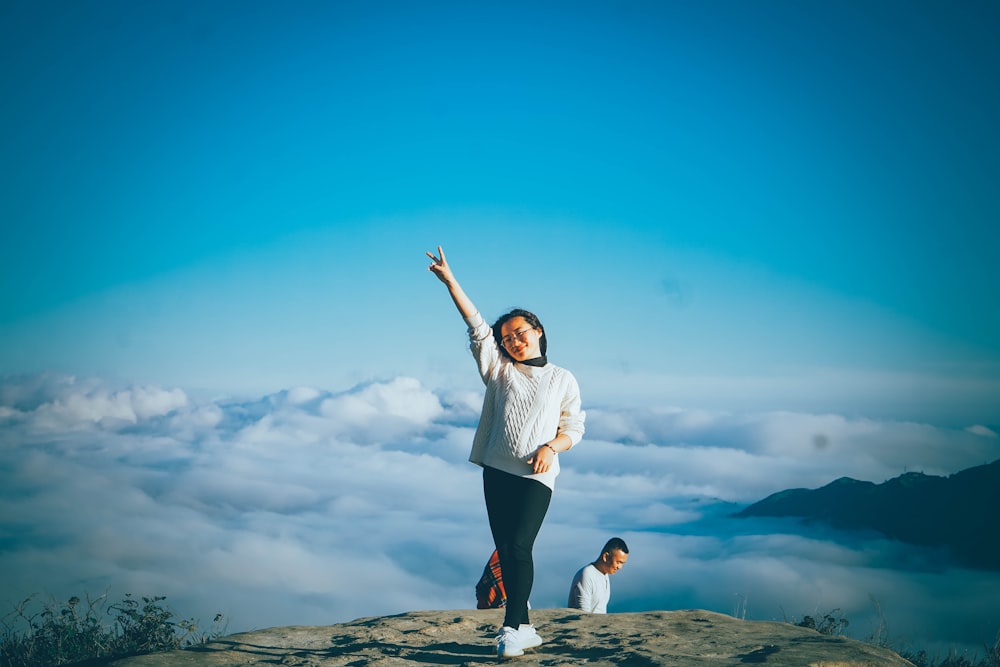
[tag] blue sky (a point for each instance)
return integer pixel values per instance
(738, 220)
(237, 196)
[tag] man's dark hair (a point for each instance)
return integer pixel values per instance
(615, 544)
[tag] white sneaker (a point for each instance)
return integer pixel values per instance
(508, 643)
(527, 636)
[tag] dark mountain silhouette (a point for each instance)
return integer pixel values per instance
(960, 513)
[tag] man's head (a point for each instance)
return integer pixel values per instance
(613, 556)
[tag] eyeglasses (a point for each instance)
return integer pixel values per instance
(519, 335)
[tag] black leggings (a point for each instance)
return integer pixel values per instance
(516, 507)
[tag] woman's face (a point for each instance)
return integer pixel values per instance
(520, 339)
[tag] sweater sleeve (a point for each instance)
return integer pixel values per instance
(483, 345)
(571, 416)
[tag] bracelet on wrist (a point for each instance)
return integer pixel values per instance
(553, 449)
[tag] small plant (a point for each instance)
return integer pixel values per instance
(740, 607)
(828, 624)
(880, 635)
(832, 623)
(63, 633)
(990, 658)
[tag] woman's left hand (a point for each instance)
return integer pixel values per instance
(542, 459)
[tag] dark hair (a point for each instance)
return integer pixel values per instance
(615, 544)
(530, 318)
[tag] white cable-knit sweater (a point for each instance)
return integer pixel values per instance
(525, 406)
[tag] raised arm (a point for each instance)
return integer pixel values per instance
(439, 267)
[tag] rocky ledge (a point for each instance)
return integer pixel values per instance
(464, 638)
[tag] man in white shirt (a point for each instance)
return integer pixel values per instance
(591, 587)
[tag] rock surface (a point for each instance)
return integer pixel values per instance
(466, 637)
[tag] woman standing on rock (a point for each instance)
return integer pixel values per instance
(531, 413)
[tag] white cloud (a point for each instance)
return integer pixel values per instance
(750, 451)
(60, 402)
(295, 507)
(382, 410)
(979, 429)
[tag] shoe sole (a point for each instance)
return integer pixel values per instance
(505, 655)
(517, 653)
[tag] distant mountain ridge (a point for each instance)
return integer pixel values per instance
(960, 513)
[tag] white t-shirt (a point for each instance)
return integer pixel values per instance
(590, 590)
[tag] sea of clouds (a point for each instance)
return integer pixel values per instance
(312, 507)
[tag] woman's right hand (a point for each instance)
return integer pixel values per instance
(439, 267)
